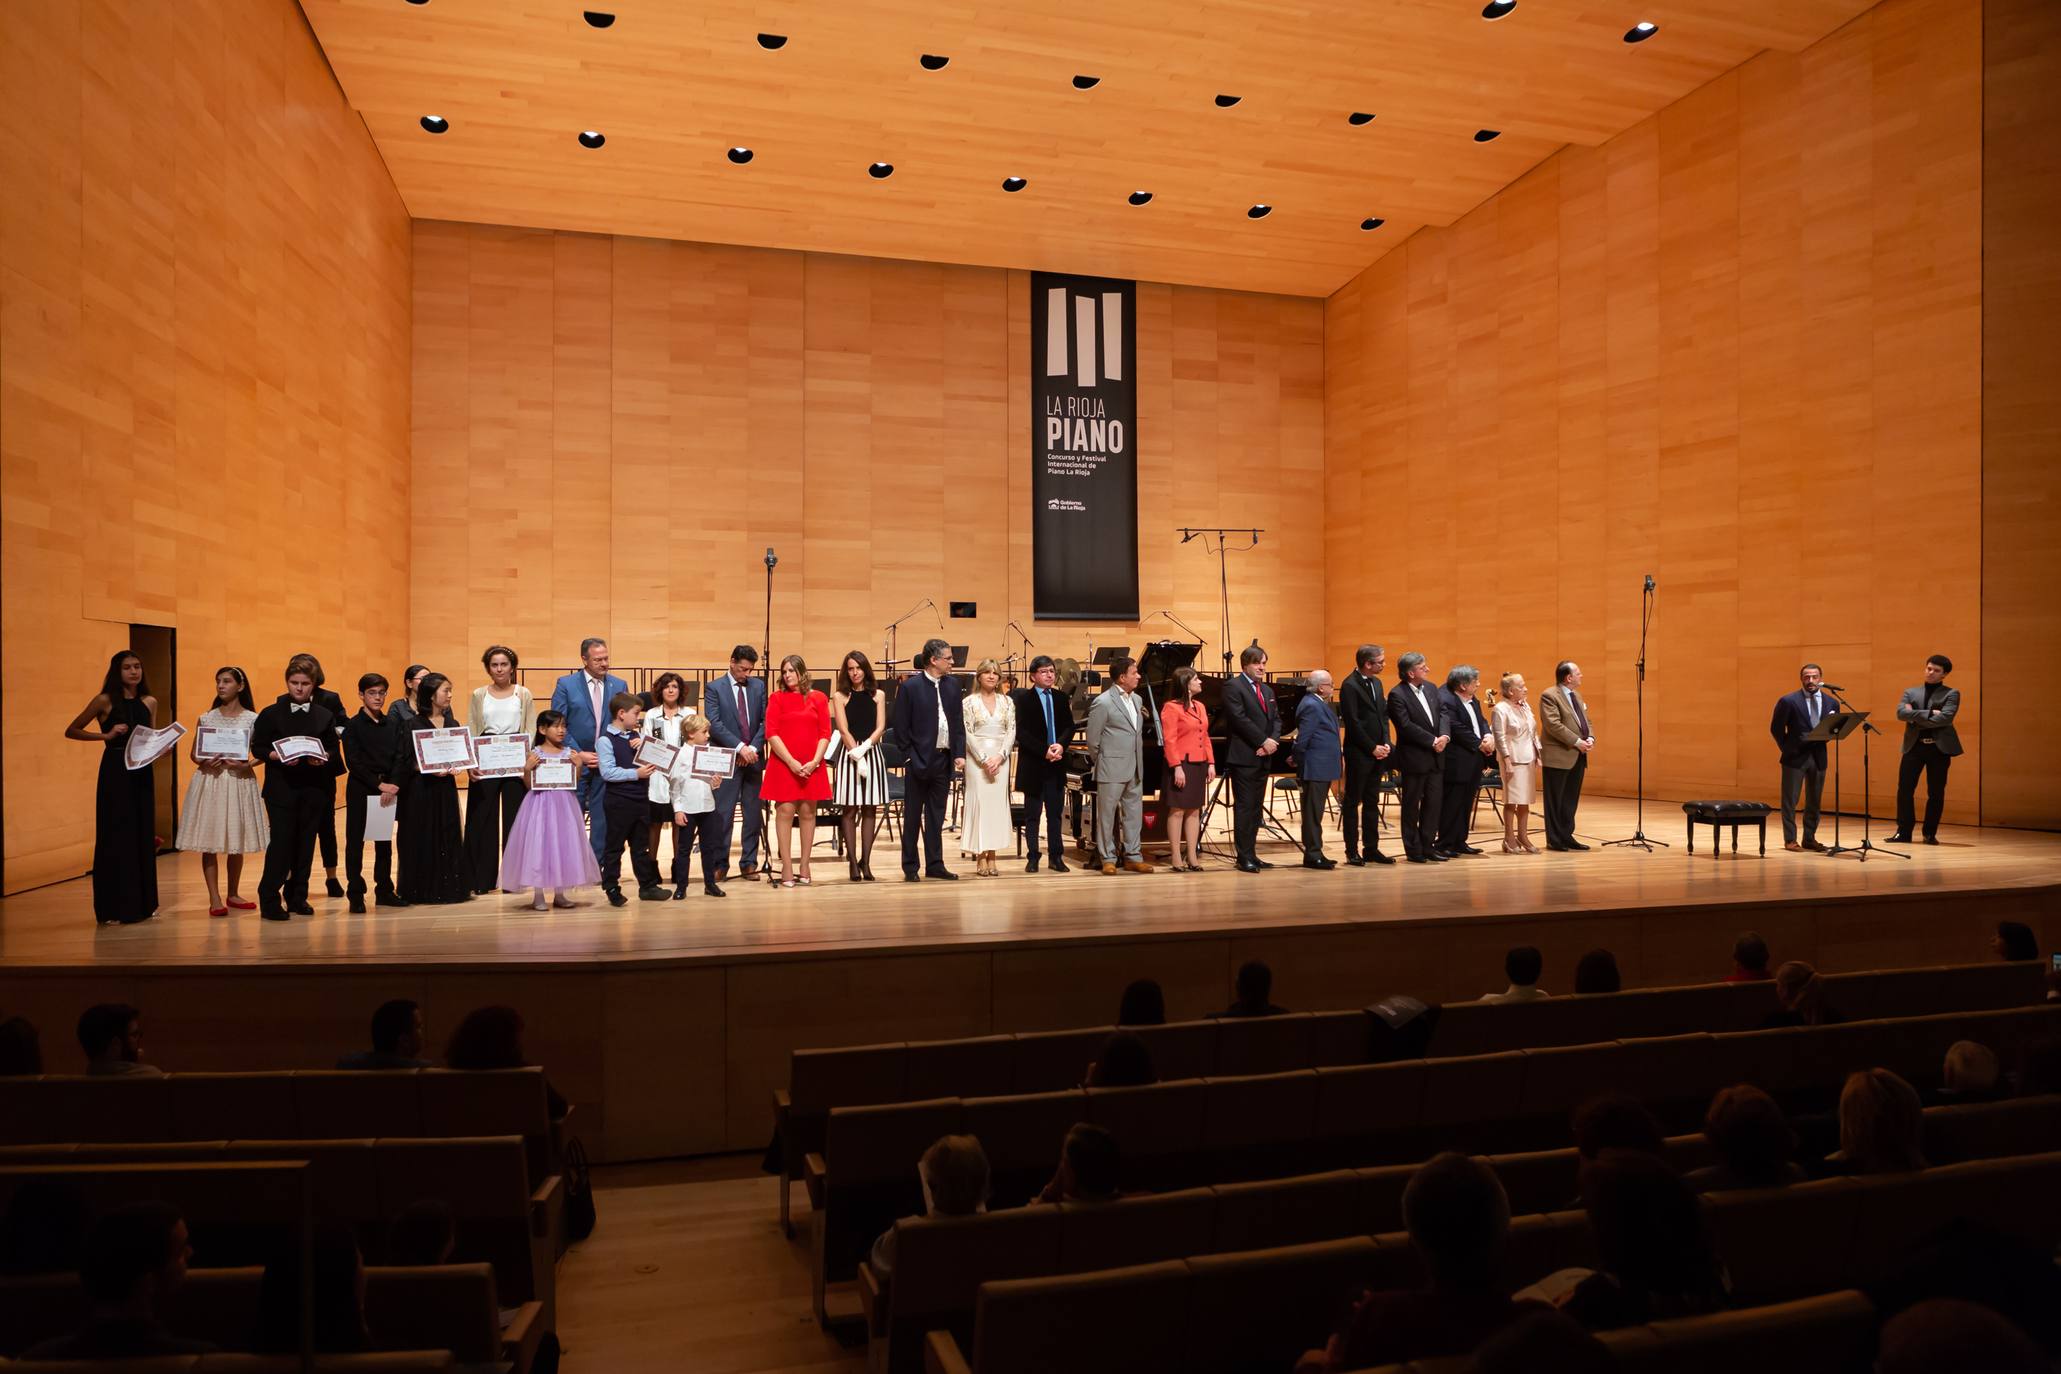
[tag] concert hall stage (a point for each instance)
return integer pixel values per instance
(667, 1024)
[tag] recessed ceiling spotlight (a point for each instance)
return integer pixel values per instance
(1225, 102)
(1259, 212)
(436, 124)
(932, 62)
(1359, 117)
(1496, 9)
(1141, 197)
(1372, 223)
(599, 19)
(739, 155)
(418, 2)
(1013, 183)
(1086, 83)
(772, 42)
(880, 171)
(592, 138)
(1641, 31)
(1487, 135)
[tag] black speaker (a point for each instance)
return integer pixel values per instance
(964, 610)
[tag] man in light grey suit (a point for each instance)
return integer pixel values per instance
(1930, 744)
(1116, 738)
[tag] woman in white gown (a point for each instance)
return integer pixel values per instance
(990, 735)
(1517, 758)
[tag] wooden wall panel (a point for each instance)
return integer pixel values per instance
(677, 408)
(1736, 347)
(204, 410)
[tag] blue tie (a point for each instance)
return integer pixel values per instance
(1051, 730)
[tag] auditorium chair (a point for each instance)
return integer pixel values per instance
(378, 1362)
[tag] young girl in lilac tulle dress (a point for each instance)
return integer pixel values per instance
(547, 848)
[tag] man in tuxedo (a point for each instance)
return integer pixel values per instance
(1252, 718)
(736, 707)
(296, 792)
(373, 740)
(1116, 737)
(1803, 761)
(1363, 706)
(1565, 740)
(1930, 744)
(325, 831)
(1044, 727)
(1413, 709)
(929, 725)
(1469, 754)
(1318, 764)
(582, 698)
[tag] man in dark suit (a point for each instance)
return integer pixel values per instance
(1044, 727)
(1252, 718)
(1930, 744)
(325, 831)
(373, 740)
(1363, 706)
(929, 724)
(736, 706)
(1318, 764)
(296, 792)
(1803, 762)
(1461, 720)
(1413, 709)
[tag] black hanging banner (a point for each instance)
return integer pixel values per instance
(1084, 447)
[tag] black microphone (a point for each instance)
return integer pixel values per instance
(772, 559)
(1649, 582)
(1831, 687)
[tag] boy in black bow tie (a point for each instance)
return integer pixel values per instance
(298, 790)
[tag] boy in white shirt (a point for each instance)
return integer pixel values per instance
(694, 812)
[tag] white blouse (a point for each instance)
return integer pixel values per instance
(500, 715)
(671, 729)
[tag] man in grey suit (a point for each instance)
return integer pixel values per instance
(1930, 744)
(1116, 738)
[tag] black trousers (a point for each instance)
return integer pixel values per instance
(326, 827)
(706, 827)
(1563, 799)
(1359, 807)
(355, 803)
(1926, 759)
(294, 816)
(923, 810)
(1418, 820)
(1456, 810)
(1313, 796)
(1248, 798)
(1045, 802)
(629, 821)
(490, 806)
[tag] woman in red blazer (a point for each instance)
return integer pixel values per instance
(1191, 766)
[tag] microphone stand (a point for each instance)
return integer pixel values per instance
(1639, 838)
(893, 638)
(1182, 623)
(1866, 846)
(1223, 553)
(761, 860)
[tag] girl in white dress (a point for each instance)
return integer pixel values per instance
(224, 813)
(990, 735)
(1517, 758)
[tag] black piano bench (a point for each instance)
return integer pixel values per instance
(1727, 813)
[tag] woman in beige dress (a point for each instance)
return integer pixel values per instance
(1517, 758)
(988, 824)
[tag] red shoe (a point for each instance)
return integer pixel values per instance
(218, 911)
(241, 905)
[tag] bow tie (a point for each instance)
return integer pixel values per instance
(298, 706)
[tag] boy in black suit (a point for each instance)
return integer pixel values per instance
(626, 805)
(372, 742)
(297, 793)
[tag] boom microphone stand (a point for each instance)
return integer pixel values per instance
(1639, 838)
(1223, 552)
(764, 856)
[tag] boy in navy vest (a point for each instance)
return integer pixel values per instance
(626, 804)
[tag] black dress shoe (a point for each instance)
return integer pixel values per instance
(388, 898)
(1379, 858)
(271, 914)
(1417, 858)
(653, 894)
(333, 887)
(302, 910)
(1263, 863)
(357, 906)
(1435, 857)
(1322, 865)
(944, 876)
(1059, 866)
(1032, 866)
(1465, 849)
(679, 892)
(1556, 848)
(1248, 866)
(912, 877)
(615, 896)
(1355, 861)
(1900, 837)
(1932, 839)
(711, 890)
(1577, 846)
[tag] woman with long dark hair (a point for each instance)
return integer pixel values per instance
(124, 800)
(861, 782)
(225, 810)
(667, 718)
(427, 832)
(1191, 766)
(797, 734)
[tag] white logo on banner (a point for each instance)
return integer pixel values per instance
(1058, 363)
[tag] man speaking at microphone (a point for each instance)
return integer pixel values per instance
(1803, 761)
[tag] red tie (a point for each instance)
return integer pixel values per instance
(1256, 691)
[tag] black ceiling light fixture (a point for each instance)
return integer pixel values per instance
(739, 155)
(1496, 9)
(1086, 83)
(933, 62)
(881, 171)
(1141, 197)
(1487, 135)
(418, 2)
(1225, 102)
(772, 42)
(436, 124)
(1371, 223)
(1359, 117)
(1013, 184)
(598, 19)
(592, 138)
(1259, 212)
(1641, 31)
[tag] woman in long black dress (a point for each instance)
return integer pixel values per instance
(124, 802)
(427, 833)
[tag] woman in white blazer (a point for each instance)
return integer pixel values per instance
(667, 719)
(502, 707)
(1517, 759)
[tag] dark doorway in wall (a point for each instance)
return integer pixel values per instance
(157, 646)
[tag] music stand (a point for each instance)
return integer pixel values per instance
(1836, 727)
(959, 653)
(1108, 654)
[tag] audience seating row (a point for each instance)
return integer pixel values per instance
(380, 1362)
(820, 1080)
(1176, 1135)
(1259, 1309)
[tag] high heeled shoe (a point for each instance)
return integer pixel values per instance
(853, 873)
(1513, 846)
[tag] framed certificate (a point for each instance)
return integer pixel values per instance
(448, 750)
(720, 764)
(658, 753)
(554, 775)
(291, 747)
(146, 746)
(500, 756)
(222, 744)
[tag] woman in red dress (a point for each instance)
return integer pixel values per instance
(797, 734)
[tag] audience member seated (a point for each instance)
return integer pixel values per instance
(1255, 990)
(1144, 1004)
(1543, 1340)
(111, 1034)
(1124, 1061)
(1090, 1166)
(1971, 1074)
(1522, 966)
(424, 1233)
(1802, 994)
(2014, 942)
(1457, 1215)
(1755, 1144)
(1749, 958)
(44, 1231)
(1597, 972)
(1881, 1125)
(954, 1174)
(1614, 1121)
(21, 1051)
(134, 1256)
(398, 1036)
(1949, 1336)
(491, 1038)
(339, 1297)
(1656, 1255)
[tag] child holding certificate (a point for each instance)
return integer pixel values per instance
(626, 804)
(547, 846)
(224, 813)
(694, 812)
(292, 737)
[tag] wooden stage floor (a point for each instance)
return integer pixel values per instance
(53, 926)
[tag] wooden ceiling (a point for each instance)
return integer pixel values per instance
(674, 84)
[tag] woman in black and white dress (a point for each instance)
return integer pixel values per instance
(861, 781)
